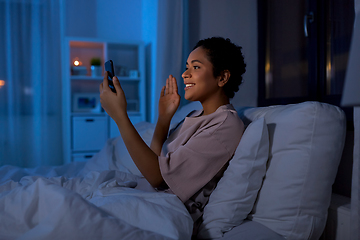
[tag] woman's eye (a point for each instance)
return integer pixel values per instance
(196, 67)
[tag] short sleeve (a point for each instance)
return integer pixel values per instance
(195, 160)
(192, 165)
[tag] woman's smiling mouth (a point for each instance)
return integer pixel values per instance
(189, 85)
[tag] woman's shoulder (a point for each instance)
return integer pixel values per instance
(228, 116)
(224, 121)
(230, 120)
(230, 131)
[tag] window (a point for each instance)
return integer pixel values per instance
(303, 50)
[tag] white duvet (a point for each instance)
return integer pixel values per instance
(101, 199)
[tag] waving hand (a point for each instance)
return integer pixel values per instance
(169, 99)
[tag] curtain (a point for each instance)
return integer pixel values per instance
(30, 83)
(355, 189)
(355, 192)
(172, 47)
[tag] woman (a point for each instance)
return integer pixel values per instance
(191, 159)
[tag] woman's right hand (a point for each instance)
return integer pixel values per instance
(113, 103)
(169, 99)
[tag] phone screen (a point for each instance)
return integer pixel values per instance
(109, 67)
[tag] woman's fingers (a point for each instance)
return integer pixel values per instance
(116, 83)
(167, 89)
(101, 87)
(162, 91)
(105, 80)
(174, 85)
(171, 85)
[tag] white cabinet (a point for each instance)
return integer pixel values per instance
(81, 157)
(89, 133)
(86, 126)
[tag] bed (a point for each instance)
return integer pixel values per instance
(277, 186)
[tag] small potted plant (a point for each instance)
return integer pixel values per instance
(95, 67)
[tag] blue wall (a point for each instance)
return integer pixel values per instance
(109, 19)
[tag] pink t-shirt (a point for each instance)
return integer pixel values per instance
(198, 148)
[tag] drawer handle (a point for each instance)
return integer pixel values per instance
(89, 120)
(88, 156)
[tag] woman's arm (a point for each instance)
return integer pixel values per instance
(115, 105)
(168, 103)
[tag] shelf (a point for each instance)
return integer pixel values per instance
(86, 44)
(87, 114)
(84, 77)
(134, 114)
(91, 114)
(128, 79)
(81, 137)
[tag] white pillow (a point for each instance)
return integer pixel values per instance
(123, 160)
(234, 197)
(306, 142)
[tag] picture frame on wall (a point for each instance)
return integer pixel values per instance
(86, 102)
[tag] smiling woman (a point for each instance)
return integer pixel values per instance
(190, 160)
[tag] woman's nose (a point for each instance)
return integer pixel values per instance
(186, 74)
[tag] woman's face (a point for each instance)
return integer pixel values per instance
(200, 83)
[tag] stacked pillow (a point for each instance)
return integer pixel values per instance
(234, 197)
(306, 142)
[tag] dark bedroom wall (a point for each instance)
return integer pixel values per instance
(119, 19)
(80, 18)
(105, 19)
(234, 19)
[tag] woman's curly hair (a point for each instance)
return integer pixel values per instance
(225, 55)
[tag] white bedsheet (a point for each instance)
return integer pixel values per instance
(96, 200)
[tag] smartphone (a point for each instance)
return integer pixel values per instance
(109, 67)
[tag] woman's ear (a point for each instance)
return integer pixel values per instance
(224, 78)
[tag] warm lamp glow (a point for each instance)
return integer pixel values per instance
(2, 83)
(77, 62)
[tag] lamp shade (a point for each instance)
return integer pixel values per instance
(351, 92)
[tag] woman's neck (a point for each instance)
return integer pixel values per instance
(211, 106)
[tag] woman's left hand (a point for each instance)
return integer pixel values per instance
(169, 99)
(113, 103)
